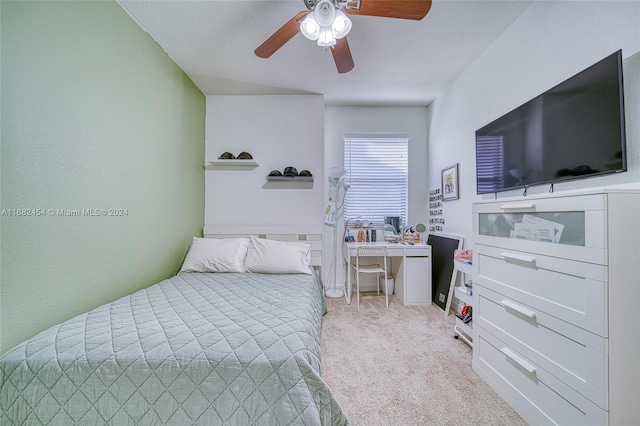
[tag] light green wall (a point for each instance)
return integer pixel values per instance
(94, 116)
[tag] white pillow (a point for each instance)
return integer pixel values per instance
(216, 255)
(278, 257)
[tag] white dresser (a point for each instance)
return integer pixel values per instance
(556, 302)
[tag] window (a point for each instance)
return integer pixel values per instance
(490, 156)
(377, 169)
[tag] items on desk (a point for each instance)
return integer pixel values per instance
(392, 238)
(390, 234)
(346, 236)
(361, 224)
(410, 236)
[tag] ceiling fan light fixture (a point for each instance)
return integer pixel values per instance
(309, 27)
(325, 13)
(325, 24)
(341, 25)
(326, 38)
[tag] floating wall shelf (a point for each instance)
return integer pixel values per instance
(234, 163)
(231, 165)
(290, 178)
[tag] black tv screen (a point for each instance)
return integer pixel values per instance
(572, 131)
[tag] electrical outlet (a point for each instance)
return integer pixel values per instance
(442, 298)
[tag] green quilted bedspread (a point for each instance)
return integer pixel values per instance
(195, 349)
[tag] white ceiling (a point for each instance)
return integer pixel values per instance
(397, 61)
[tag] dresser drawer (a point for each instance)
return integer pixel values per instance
(395, 251)
(575, 292)
(568, 227)
(415, 251)
(546, 399)
(572, 355)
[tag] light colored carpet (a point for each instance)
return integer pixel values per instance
(402, 366)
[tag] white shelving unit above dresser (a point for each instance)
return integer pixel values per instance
(555, 299)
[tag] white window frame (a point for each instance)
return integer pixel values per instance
(377, 170)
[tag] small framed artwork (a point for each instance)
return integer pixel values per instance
(449, 176)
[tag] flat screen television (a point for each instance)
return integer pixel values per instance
(574, 130)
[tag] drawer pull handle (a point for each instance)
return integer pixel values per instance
(518, 257)
(518, 206)
(518, 360)
(524, 311)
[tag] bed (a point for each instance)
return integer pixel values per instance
(203, 347)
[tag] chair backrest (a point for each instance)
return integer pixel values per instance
(372, 251)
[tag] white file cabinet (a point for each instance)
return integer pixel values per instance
(555, 299)
(413, 278)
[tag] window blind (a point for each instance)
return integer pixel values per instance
(490, 159)
(377, 169)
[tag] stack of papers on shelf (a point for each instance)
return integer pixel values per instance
(533, 228)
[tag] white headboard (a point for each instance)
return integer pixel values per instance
(309, 234)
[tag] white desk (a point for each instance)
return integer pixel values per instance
(410, 264)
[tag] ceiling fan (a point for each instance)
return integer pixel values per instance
(326, 22)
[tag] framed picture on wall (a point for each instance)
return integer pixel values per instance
(449, 177)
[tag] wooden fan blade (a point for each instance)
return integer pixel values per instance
(280, 37)
(342, 55)
(402, 9)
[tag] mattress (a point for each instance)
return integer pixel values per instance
(198, 348)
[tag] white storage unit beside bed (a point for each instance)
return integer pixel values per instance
(556, 306)
(199, 348)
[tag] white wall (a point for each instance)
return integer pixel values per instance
(378, 120)
(297, 130)
(550, 42)
(278, 131)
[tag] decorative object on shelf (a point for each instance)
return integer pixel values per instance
(229, 156)
(290, 171)
(290, 174)
(449, 179)
(227, 160)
